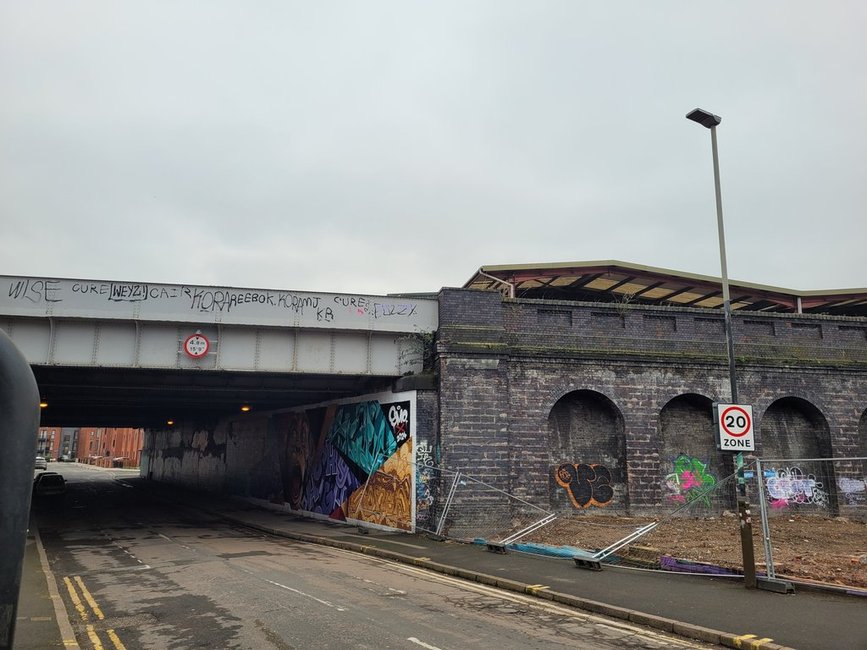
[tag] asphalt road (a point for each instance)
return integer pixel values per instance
(137, 572)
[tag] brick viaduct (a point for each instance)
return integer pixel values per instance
(527, 386)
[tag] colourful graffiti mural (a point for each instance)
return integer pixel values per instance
(349, 461)
(791, 486)
(385, 498)
(690, 481)
(586, 484)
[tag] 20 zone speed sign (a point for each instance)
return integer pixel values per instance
(735, 424)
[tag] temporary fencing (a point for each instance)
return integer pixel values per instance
(453, 504)
(694, 527)
(809, 492)
(693, 515)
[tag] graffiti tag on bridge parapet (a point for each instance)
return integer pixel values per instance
(124, 292)
(324, 308)
(36, 291)
(382, 310)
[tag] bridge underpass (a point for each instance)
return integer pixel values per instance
(110, 397)
(138, 355)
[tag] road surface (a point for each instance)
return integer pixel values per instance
(138, 572)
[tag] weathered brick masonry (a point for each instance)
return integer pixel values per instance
(526, 385)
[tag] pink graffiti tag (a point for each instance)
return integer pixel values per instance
(690, 480)
(687, 481)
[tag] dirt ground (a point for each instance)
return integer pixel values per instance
(804, 547)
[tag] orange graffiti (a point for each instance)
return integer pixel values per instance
(385, 498)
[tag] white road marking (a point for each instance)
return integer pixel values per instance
(121, 569)
(296, 591)
(174, 541)
(301, 593)
(422, 643)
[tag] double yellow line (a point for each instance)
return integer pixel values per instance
(85, 614)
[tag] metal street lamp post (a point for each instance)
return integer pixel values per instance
(711, 121)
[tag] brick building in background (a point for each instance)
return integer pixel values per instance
(54, 443)
(93, 445)
(47, 441)
(110, 447)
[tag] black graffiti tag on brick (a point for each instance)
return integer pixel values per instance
(586, 484)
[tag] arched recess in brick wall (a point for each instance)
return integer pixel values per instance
(689, 460)
(792, 427)
(587, 451)
(793, 431)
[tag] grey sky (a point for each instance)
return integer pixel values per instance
(379, 147)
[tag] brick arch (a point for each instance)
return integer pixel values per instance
(793, 431)
(587, 452)
(606, 392)
(792, 427)
(689, 460)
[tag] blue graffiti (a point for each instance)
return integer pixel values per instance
(363, 435)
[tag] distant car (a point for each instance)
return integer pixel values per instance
(41, 463)
(65, 458)
(49, 484)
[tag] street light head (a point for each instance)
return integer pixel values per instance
(704, 118)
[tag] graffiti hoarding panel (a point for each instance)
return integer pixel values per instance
(351, 461)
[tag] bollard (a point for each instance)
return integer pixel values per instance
(19, 422)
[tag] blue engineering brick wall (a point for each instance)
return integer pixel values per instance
(504, 364)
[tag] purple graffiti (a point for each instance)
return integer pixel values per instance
(329, 484)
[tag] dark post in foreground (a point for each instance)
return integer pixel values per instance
(19, 422)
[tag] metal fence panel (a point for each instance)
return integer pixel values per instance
(459, 506)
(804, 514)
(810, 495)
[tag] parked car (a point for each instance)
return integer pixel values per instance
(49, 484)
(41, 463)
(65, 458)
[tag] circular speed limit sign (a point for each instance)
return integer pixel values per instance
(735, 427)
(196, 345)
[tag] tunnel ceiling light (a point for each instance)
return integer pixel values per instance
(170, 422)
(43, 404)
(245, 408)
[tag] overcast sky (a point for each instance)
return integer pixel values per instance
(379, 147)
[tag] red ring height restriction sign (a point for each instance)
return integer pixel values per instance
(196, 345)
(735, 425)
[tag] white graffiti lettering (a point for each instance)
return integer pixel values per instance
(854, 489)
(424, 454)
(398, 418)
(790, 486)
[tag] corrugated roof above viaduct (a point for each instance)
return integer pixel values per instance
(614, 281)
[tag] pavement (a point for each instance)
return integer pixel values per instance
(712, 609)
